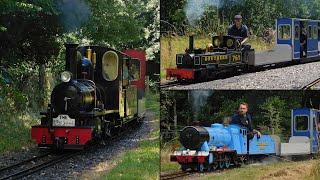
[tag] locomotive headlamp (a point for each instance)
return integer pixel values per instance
(229, 43)
(216, 42)
(65, 76)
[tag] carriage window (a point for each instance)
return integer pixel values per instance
(110, 63)
(315, 32)
(297, 32)
(135, 69)
(284, 32)
(301, 123)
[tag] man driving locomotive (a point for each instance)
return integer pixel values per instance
(243, 118)
(239, 30)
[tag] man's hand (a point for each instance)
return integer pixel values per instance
(257, 132)
(244, 41)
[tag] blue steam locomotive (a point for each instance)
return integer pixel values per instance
(219, 146)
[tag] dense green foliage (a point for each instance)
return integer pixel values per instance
(258, 14)
(271, 110)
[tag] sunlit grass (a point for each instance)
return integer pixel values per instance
(278, 170)
(15, 131)
(144, 161)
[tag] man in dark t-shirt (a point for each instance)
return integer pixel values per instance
(243, 118)
(238, 29)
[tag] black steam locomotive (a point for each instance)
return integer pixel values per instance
(102, 90)
(225, 54)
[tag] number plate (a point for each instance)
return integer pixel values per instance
(63, 120)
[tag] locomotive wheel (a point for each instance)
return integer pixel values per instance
(227, 161)
(222, 162)
(200, 167)
(184, 167)
(107, 130)
(213, 166)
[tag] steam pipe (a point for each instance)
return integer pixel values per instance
(191, 41)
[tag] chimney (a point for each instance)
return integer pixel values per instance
(71, 58)
(191, 40)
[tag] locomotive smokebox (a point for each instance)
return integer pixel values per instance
(192, 137)
(73, 97)
(191, 43)
(71, 57)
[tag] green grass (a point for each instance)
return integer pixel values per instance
(153, 102)
(142, 162)
(170, 46)
(166, 150)
(279, 170)
(15, 132)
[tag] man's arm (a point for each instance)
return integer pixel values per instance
(244, 40)
(234, 120)
(250, 123)
(246, 36)
(251, 129)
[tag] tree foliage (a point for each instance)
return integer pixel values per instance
(32, 34)
(271, 110)
(257, 14)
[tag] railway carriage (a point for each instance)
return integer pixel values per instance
(219, 146)
(226, 55)
(102, 91)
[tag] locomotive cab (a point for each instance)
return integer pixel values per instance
(225, 54)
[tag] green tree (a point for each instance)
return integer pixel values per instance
(274, 110)
(30, 35)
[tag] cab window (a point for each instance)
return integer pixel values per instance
(135, 69)
(284, 32)
(301, 123)
(110, 63)
(126, 73)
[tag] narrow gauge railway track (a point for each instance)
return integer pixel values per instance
(33, 165)
(312, 84)
(173, 175)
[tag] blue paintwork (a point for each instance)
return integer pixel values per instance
(263, 145)
(284, 21)
(234, 137)
(312, 132)
(312, 43)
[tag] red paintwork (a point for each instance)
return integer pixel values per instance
(141, 55)
(189, 159)
(180, 73)
(201, 159)
(84, 134)
(184, 159)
